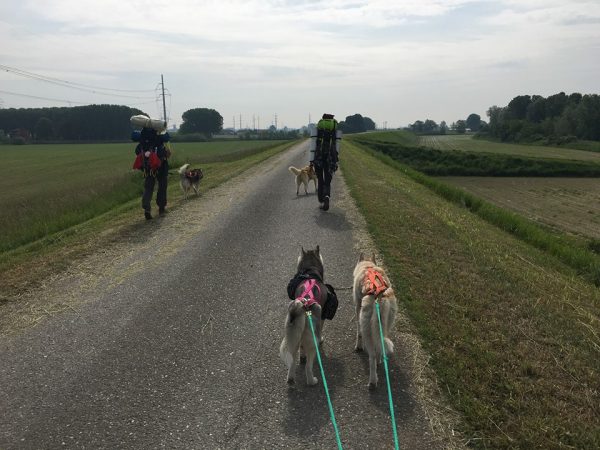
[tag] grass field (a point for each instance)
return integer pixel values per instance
(468, 144)
(48, 188)
(512, 332)
(569, 204)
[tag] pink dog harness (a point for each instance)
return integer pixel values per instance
(308, 297)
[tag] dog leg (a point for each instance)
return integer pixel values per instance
(372, 371)
(358, 347)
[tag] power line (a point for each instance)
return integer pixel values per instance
(58, 100)
(72, 85)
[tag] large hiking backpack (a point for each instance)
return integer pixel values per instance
(326, 149)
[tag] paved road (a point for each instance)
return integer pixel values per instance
(176, 343)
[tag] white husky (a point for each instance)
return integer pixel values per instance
(370, 284)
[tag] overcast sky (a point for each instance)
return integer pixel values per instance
(395, 61)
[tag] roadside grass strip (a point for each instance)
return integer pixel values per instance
(512, 331)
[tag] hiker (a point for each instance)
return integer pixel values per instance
(152, 159)
(324, 157)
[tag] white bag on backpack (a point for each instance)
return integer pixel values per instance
(141, 121)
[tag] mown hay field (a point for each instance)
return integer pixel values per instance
(468, 144)
(48, 188)
(569, 204)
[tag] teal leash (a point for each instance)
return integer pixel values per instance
(387, 377)
(335, 427)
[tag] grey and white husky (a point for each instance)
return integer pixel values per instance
(310, 295)
(189, 179)
(370, 284)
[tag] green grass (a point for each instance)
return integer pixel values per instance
(49, 188)
(580, 151)
(455, 162)
(511, 330)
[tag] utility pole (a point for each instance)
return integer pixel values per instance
(162, 82)
(240, 121)
(275, 120)
(234, 124)
(309, 120)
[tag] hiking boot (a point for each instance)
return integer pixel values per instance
(326, 203)
(162, 212)
(147, 215)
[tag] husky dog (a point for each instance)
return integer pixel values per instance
(189, 179)
(310, 295)
(371, 284)
(303, 176)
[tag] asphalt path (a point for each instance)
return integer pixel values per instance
(176, 343)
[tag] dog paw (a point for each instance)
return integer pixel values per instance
(358, 349)
(291, 381)
(372, 386)
(302, 359)
(314, 381)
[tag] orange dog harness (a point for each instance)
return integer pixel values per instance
(374, 284)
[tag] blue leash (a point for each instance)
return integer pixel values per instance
(387, 377)
(335, 427)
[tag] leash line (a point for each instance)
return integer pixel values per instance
(387, 377)
(335, 427)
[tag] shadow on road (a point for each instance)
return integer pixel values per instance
(399, 382)
(333, 220)
(307, 410)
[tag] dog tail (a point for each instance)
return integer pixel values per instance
(388, 314)
(294, 326)
(183, 168)
(294, 170)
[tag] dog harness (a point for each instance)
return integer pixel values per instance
(374, 284)
(308, 297)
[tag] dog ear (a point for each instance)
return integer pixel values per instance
(317, 250)
(373, 258)
(361, 257)
(302, 250)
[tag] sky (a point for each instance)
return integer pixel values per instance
(285, 61)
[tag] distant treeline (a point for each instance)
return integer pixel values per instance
(557, 119)
(78, 123)
(459, 163)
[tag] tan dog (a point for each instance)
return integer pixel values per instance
(303, 176)
(370, 284)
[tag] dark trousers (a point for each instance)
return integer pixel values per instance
(324, 176)
(161, 194)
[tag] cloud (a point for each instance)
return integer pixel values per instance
(235, 52)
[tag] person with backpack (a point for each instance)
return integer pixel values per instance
(324, 157)
(152, 159)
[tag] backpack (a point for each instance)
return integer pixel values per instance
(147, 159)
(326, 143)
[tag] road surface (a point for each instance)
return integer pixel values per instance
(171, 339)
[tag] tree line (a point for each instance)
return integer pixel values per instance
(558, 118)
(77, 123)
(471, 123)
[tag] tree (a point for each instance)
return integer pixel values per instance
(518, 106)
(429, 126)
(201, 120)
(443, 127)
(354, 124)
(473, 122)
(43, 129)
(369, 124)
(461, 126)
